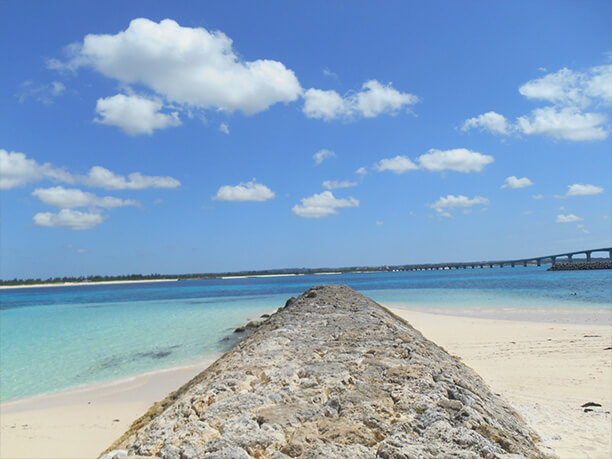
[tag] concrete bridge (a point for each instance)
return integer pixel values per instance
(552, 259)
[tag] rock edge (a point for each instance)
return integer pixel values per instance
(332, 374)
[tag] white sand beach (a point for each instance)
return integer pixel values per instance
(78, 284)
(545, 370)
(82, 422)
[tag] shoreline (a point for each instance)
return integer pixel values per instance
(78, 284)
(562, 315)
(80, 422)
(545, 369)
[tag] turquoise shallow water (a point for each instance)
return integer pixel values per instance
(59, 337)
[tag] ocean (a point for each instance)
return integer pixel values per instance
(53, 338)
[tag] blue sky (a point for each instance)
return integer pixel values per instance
(219, 136)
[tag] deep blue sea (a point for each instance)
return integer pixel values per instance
(53, 338)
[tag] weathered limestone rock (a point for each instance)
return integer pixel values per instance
(335, 375)
(581, 265)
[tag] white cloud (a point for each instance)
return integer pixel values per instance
(224, 127)
(514, 182)
(562, 87)
(397, 165)
(600, 84)
(326, 105)
(135, 114)
(68, 218)
(327, 72)
(71, 197)
(361, 171)
(101, 177)
(570, 93)
(490, 121)
(373, 100)
(538, 196)
(250, 191)
(567, 123)
(335, 184)
(322, 155)
(322, 205)
(578, 189)
(380, 223)
(17, 170)
(187, 65)
(458, 159)
(452, 201)
(44, 93)
(571, 218)
(567, 87)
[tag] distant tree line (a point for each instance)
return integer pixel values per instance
(155, 276)
(268, 272)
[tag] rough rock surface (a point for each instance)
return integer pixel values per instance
(581, 265)
(335, 375)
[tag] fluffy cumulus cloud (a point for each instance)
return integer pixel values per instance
(135, 114)
(372, 100)
(361, 171)
(570, 93)
(567, 123)
(322, 155)
(458, 159)
(515, 182)
(579, 189)
(16, 169)
(335, 184)
(490, 121)
(68, 218)
(190, 66)
(101, 177)
(397, 165)
(568, 87)
(452, 201)
(322, 205)
(69, 198)
(250, 191)
(571, 218)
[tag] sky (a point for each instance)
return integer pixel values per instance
(179, 137)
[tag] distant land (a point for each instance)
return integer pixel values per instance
(134, 278)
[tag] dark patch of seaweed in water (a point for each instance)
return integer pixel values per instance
(118, 360)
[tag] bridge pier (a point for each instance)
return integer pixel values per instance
(569, 258)
(525, 264)
(588, 256)
(490, 265)
(512, 264)
(539, 261)
(553, 260)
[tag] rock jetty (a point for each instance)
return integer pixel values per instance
(332, 374)
(581, 265)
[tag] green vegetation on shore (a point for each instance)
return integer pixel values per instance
(144, 277)
(578, 264)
